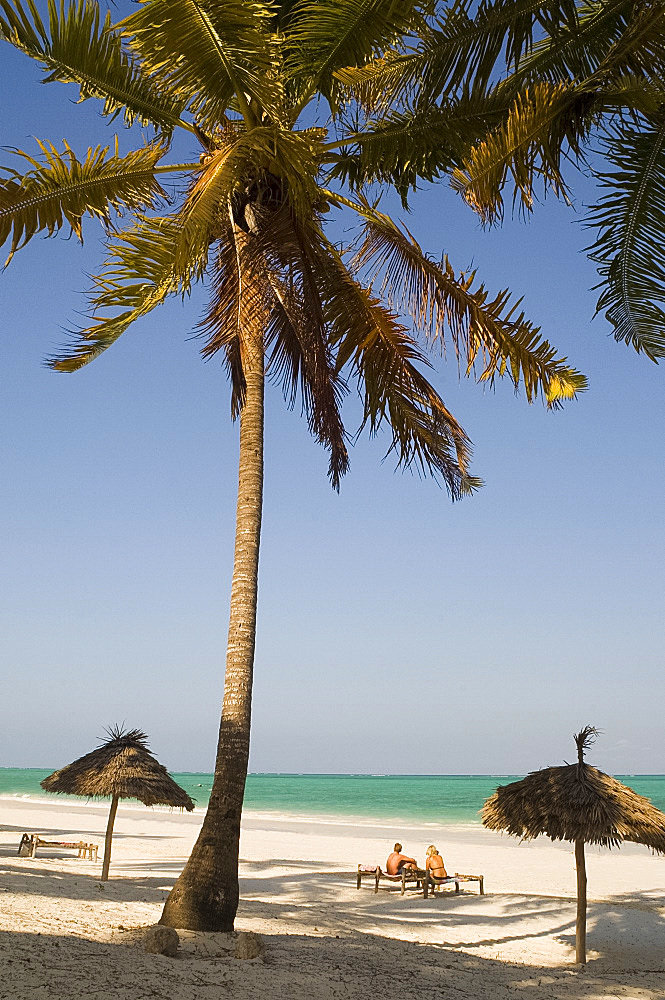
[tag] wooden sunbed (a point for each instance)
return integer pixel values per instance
(405, 877)
(431, 881)
(31, 841)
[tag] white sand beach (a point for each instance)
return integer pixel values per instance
(63, 933)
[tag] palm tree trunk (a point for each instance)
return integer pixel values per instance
(580, 927)
(109, 838)
(205, 896)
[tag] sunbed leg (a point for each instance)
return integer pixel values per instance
(456, 886)
(376, 880)
(35, 841)
(426, 887)
(403, 880)
(358, 879)
(482, 886)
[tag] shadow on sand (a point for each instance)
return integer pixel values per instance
(297, 966)
(624, 934)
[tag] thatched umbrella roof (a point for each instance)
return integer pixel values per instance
(124, 768)
(575, 802)
(121, 768)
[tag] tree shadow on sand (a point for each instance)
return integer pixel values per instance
(352, 967)
(625, 932)
(57, 883)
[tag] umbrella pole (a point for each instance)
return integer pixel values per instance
(109, 838)
(580, 927)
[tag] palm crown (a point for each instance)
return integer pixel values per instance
(247, 81)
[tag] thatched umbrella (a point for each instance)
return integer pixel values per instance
(580, 804)
(121, 768)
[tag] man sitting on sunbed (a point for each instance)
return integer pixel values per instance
(397, 861)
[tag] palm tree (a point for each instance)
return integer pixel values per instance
(560, 84)
(255, 85)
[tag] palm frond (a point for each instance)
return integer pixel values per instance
(141, 271)
(322, 38)
(370, 341)
(629, 219)
(62, 189)
(550, 120)
(79, 47)
(487, 334)
(299, 357)
(611, 38)
(545, 124)
(640, 50)
(208, 51)
(466, 43)
(294, 251)
(406, 146)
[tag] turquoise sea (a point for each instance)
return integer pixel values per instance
(409, 798)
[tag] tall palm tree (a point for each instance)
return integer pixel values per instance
(255, 85)
(560, 84)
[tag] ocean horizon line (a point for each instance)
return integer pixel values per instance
(362, 774)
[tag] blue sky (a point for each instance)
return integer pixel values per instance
(397, 632)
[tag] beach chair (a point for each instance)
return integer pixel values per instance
(431, 881)
(31, 841)
(405, 877)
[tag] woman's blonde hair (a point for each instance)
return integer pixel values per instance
(431, 850)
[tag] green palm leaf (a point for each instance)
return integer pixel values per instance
(547, 127)
(489, 334)
(466, 42)
(545, 123)
(140, 273)
(611, 38)
(78, 47)
(207, 51)
(321, 38)
(629, 249)
(403, 147)
(63, 189)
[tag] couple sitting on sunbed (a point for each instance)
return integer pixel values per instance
(397, 862)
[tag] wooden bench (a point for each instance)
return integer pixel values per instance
(406, 876)
(431, 881)
(31, 841)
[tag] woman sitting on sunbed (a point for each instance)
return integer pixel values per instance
(434, 863)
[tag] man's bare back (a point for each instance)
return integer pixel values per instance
(396, 861)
